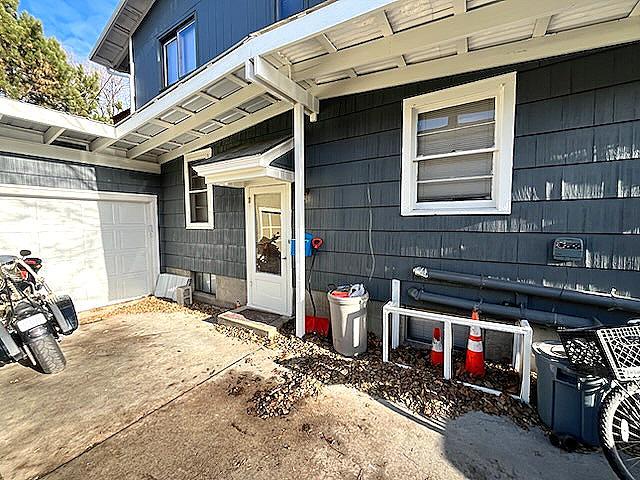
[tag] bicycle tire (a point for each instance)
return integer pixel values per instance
(614, 436)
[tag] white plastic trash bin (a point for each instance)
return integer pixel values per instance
(349, 323)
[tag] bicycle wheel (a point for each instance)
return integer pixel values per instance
(620, 430)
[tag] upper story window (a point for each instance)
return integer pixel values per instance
(179, 52)
(198, 196)
(286, 8)
(457, 149)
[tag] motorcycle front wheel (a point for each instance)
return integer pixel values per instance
(620, 430)
(47, 353)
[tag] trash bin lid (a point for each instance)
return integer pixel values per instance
(552, 349)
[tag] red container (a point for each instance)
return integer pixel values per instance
(318, 325)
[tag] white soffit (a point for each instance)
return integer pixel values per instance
(340, 48)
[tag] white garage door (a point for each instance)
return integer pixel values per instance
(98, 248)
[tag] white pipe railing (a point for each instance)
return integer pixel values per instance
(523, 335)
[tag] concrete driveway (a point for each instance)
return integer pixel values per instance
(147, 396)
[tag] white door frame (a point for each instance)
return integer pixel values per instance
(151, 206)
(287, 271)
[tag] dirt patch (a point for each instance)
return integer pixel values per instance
(313, 362)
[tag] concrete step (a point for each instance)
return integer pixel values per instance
(262, 324)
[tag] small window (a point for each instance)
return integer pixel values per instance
(179, 51)
(286, 8)
(204, 282)
(198, 195)
(457, 149)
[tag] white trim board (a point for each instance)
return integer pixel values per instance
(7, 190)
(54, 152)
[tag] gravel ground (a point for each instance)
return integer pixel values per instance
(311, 363)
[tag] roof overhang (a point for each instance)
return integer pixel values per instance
(248, 170)
(112, 46)
(345, 47)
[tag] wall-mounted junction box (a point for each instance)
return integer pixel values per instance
(568, 249)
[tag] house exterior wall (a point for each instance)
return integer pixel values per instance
(221, 250)
(576, 173)
(44, 172)
(219, 25)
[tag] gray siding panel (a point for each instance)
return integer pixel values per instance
(221, 250)
(43, 172)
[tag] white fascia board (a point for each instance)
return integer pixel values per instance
(551, 45)
(70, 155)
(53, 118)
(294, 31)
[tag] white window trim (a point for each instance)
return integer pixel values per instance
(176, 36)
(189, 225)
(503, 89)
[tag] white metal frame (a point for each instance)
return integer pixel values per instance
(189, 224)
(503, 89)
(523, 335)
(151, 202)
(250, 235)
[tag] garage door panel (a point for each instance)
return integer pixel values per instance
(133, 262)
(12, 242)
(63, 243)
(19, 212)
(59, 212)
(130, 214)
(109, 239)
(105, 214)
(97, 251)
(132, 238)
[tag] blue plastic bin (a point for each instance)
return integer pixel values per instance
(307, 245)
(567, 401)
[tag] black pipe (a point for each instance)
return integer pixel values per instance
(535, 316)
(573, 296)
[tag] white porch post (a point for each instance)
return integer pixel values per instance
(298, 142)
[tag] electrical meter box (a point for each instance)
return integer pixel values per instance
(568, 249)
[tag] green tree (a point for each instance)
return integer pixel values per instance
(36, 69)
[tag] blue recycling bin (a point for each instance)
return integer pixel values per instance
(307, 245)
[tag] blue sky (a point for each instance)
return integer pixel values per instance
(75, 23)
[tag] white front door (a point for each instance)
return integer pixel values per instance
(268, 221)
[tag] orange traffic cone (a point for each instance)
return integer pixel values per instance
(474, 364)
(437, 356)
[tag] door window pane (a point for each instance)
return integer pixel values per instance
(187, 45)
(268, 226)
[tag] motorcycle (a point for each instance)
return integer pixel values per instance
(33, 320)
